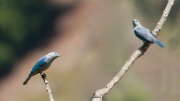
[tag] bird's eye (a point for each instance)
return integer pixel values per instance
(56, 53)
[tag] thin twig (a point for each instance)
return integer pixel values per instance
(98, 95)
(43, 75)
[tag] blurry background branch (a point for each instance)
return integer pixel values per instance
(98, 95)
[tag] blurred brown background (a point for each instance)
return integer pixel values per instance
(94, 38)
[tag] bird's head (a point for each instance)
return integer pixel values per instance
(53, 55)
(135, 22)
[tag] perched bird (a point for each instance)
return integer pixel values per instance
(144, 34)
(42, 64)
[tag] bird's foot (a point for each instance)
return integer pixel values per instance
(43, 75)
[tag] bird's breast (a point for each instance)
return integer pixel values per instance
(44, 67)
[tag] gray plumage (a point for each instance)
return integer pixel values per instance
(144, 34)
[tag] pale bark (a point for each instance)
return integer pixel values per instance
(43, 75)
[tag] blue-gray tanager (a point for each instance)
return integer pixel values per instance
(42, 64)
(144, 34)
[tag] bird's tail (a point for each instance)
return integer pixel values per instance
(27, 79)
(159, 43)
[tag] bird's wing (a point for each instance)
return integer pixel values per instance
(38, 64)
(143, 33)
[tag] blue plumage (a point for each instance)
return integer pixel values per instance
(159, 43)
(38, 64)
(42, 64)
(144, 34)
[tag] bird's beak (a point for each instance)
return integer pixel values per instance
(58, 55)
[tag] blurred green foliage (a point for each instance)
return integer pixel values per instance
(153, 8)
(24, 25)
(130, 89)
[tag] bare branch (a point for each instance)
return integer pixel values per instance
(163, 18)
(98, 95)
(43, 75)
